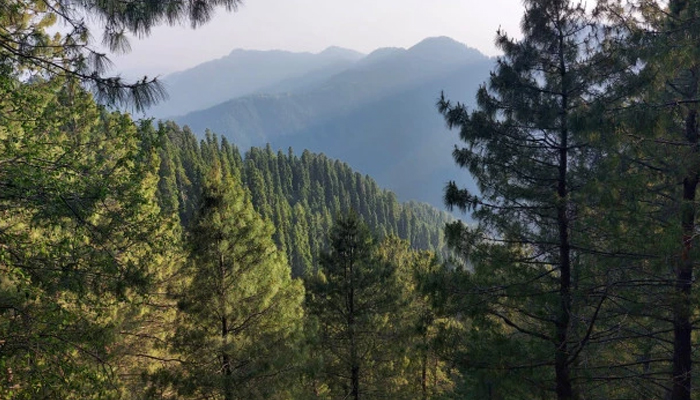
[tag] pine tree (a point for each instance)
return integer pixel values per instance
(240, 310)
(351, 299)
(415, 370)
(660, 123)
(529, 281)
(29, 48)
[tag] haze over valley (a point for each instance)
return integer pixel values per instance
(376, 112)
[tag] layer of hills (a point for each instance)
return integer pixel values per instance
(375, 112)
(301, 194)
(245, 72)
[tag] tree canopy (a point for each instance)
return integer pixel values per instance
(28, 48)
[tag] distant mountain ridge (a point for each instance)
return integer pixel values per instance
(244, 72)
(377, 113)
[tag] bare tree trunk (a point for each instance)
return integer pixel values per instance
(226, 362)
(424, 371)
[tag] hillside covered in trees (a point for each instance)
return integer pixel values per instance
(138, 261)
(376, 113)
(300, 194)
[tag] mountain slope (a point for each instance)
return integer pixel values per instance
(400, 139)
(300, 194)
(379, 116)
(257, 119)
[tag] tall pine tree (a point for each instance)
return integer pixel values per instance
(529, 282)
(351, 299)
(661, 124)
(240, 309)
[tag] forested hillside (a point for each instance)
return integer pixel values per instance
(300, 194)
(142, 261)
(136, 266)
(377, 115)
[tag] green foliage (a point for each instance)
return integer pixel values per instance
(584, 145)
(138, 262)
(298, 194)
(81, 238)
(371, 332)
(534, 279)
(29, 49)
(240, 311)
(101, 297)
(417, 370)
(660, 131)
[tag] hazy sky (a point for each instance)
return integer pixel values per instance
(313, 25)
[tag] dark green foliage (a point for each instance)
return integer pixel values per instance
(372, 333)
(298, 194)
(28, 49)
(240, 311)
(144, 263)
(661, 149)
(534, 282)
(351, 298)
(585, 148)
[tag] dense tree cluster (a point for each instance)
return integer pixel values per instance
(138, 262)
(135, 265)
(81, 238)
(300, 195)
(369, 335)
(578, 277)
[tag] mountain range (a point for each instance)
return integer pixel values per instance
(245, 72)
(376, 112)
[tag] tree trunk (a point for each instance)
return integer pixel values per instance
(424, 370)
(682, 309)
(226, 362)
(355, 380)
(561, 359)
(354, 360)
(225, 357)
(681, 298)
(564, 388)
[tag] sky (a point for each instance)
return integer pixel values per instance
(313, 25)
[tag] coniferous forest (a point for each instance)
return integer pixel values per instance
(139, 260)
